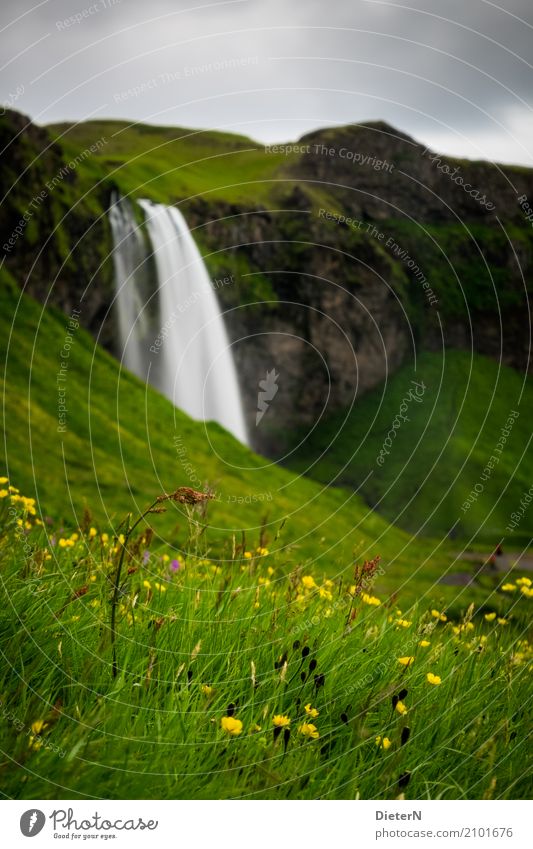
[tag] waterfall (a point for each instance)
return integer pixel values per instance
(183, 349)
(131, 284)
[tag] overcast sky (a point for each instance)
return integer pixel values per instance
(456, 75)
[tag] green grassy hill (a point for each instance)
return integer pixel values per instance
(171, 163)
(437, 459)
(123, 443)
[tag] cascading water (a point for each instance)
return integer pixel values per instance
(131, 284)
(188, 355)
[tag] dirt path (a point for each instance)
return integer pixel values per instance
(502, 562)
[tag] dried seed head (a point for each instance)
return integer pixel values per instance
(186, 495)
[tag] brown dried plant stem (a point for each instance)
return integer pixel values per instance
(183, 495)
(116, 580)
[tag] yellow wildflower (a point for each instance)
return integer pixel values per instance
(92, 532)
(3, 493)
(4, 480)
(523, 582)
(370, 599)
(147, 585)
(281, 721)
(526, 591)
(231, 725)
(247, 555)
(383, 742)
(262, 552)
(400, 707)
(508, 588)
(502, 621)
(433, 679)
(403, 623)
(311, 711)
(406, 661)
(308, 582)
(424, 644)
(207, 690)
(490, 617)
(160, 587)
(309, 730)
(438, 615)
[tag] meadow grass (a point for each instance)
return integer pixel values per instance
(246, 677)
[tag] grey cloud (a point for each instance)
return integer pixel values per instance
(275, 70)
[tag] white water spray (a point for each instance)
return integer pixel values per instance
(188, 357)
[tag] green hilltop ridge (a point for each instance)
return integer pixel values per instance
(252, 207)
(169, 164)
(429, 457)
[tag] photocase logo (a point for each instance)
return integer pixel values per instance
(268, 389)
(32, 822)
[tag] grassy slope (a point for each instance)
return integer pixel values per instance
(439, 455)
(119, 450)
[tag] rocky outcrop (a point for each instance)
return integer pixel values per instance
(53, 227)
